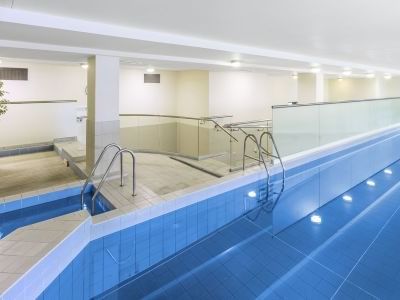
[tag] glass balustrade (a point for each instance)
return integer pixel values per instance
(302, 127)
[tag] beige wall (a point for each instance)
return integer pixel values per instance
(306, 88)
(192, 93)
(351, 89)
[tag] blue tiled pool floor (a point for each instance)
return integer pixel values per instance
(352, 254)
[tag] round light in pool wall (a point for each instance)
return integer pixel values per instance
(388, 171)
(316, 219)
(371, 182)
(252, 194)
(347, 198)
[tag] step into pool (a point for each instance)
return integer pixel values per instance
(17, 218)
(348, 249)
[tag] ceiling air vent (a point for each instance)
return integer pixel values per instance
(152, 78)
(13, 74)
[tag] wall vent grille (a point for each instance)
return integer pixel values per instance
(152, 78)
(13, 74)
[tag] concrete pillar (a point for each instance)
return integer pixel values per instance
(102, 127)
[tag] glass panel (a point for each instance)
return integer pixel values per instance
(168, 135)
(129, 132)
(300, 128)
(296, 128)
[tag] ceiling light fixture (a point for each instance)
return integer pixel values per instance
(347, 72)
(235, 63)
(295, 76)
(84, 66)
(340, 78)
(315, 70)
(370, 75)
(150, 70)
(387, 76)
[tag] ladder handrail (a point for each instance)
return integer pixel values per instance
(120, 152)
(95, 167)
(278, 156)
(261, 157)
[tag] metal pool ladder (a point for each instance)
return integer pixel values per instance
(120, 153)
(269, 190)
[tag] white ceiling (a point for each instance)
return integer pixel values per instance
(286, 33)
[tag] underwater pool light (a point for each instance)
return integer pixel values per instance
(371, 182)
(252, 194)
(316, 219)
(388, 171)
(347, 198)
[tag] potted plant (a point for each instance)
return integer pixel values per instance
(3, 101)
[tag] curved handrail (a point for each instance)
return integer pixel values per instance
(177, 117)
(278, 156)
(120, 152)
(95, 167)
(261, 157)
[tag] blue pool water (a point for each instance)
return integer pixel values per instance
(351, 254)
(14, 219)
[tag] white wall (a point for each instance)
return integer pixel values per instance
(248, 96)
(152, 98)
(25, 124)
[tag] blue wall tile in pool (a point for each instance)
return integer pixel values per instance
(108, 261)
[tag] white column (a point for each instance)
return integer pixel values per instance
(103, 108)
(319, 87)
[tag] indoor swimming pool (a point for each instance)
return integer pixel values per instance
(37, 209)
(347, 249)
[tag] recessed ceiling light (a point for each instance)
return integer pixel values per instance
(347, 198)
(252, 194)
(235, 63)
(150, 70)
(371, 182)
(315, 70)
(388, 171)
(347, 72)
(387, 76)
(84, 66)
(316, 219)
(370, 75)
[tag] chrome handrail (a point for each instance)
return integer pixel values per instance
(238, 124)
(332, 102)
(95, 167)
(41, 102)
(177, 117)
(278, 156)
(120, 152)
